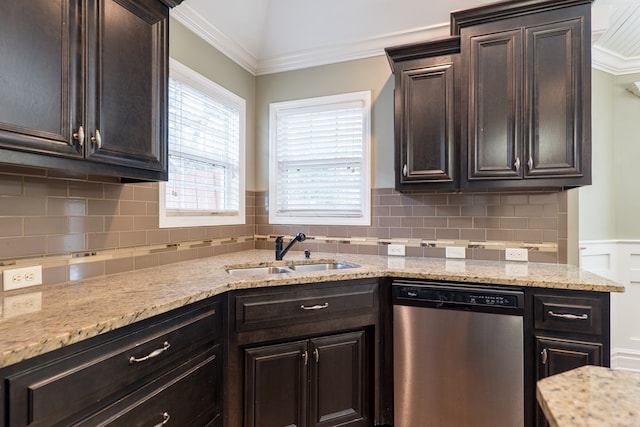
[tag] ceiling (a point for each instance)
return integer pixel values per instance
(267, 36)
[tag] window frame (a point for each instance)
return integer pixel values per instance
(365, 185)
(209, 87)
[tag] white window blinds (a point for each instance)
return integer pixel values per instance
(320, 160)
(205, 148)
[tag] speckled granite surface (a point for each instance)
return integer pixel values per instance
(68, 313)
(591, 396)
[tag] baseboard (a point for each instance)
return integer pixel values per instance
(627, 359)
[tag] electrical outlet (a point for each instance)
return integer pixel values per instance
(24, 277)
(516, 254)
(455, 252)
(395, 250)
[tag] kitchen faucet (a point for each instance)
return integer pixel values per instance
(300, 237)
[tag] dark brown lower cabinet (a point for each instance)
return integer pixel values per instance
(317, 382)
(570, 329)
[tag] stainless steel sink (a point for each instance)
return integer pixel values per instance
(319, 266)
(250, 271)
(323, 266)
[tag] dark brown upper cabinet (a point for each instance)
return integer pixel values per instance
(426, 124)
(526, 94)
(504, 103)
(84, 86)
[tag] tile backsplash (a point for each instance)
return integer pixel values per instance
(81, 226)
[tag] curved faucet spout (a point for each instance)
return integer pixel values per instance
(280, 253)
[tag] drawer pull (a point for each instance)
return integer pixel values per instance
(315, 307)
(569, 316)
(154, 353)
(165, 419)
(544, 356)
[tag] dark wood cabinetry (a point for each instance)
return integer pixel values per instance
(315, 382)
(504, 103)
(426, 107)
(84, 86)
(303, 355)
(131, 376)
(526, 95)
(570, 329)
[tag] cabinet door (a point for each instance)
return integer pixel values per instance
(276, 385)
(40, 90)
(557, 355)
(554, 99)
(494, 106)
(127, 83)
(425, 121)
(340, 381)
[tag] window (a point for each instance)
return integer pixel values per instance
(320, 161)
(206, 153)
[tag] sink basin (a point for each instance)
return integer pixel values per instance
(319, 266)
(249, 271)
(323, 266)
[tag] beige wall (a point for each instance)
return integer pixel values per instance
(372, 74)
(609, 209)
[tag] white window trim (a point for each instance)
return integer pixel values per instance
(198, 81)
(365, 218)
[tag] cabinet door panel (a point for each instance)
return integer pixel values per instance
(130, 118)
(427, 125)
(276, 385)
(557, 356)
(39, 76)
(339, 380)
(494, 106)
(553, 67)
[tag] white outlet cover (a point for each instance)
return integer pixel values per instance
(396, 250)
(516, 254)
(18, 278)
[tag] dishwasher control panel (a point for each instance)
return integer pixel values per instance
(446, 294)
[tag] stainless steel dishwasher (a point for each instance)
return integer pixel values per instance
(458, 355)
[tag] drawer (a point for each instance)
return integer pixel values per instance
(567, 314)
(66, 388)
(259, 310)
(188, 396)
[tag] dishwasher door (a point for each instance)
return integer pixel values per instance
(455, 368)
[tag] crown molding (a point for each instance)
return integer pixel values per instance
(311, 57)
(612, 63)
(602, 59)
(366, 48)
(216, 38)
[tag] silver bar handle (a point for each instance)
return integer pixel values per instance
(79, 136)
(315, 307)
(154, 353)
(405, 171)
(516, 164)
(530, 163)
(316, 355)
(305, 357)
(569, 316)
(97, 139)
(544, 356)
(165, 419)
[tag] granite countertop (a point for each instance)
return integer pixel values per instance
(591, 396)
(59, 315)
